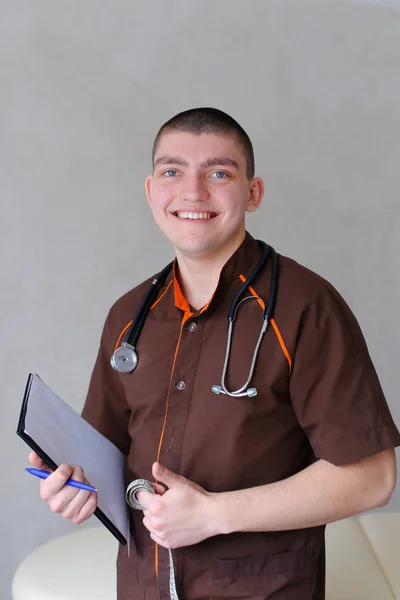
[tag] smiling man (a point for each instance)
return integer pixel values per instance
(201, 187)
(245, 485)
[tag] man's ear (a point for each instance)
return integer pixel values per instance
(147, 186)
(256, 194)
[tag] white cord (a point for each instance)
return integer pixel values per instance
(144, 485)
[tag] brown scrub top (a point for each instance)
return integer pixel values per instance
(318, 398)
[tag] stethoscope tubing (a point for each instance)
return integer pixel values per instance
(132, 335)
(267, 315)
(246, 284)
(241, 391)
(134, 331)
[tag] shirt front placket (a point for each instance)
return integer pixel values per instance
(178, 402)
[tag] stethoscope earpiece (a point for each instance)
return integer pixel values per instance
(251, 392)
(216, 389)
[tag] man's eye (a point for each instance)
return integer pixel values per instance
(219, 174)
(170, 173)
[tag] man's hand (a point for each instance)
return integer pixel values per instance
(72, 503)
(186, 514)
(181, 516)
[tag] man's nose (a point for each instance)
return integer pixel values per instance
(194, 188)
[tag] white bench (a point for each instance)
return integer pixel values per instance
(362, 563)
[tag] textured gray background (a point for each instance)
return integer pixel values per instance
(84, 85)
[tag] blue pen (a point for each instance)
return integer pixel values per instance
(44, 474)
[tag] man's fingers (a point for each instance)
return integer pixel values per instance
(71, 502)
(159, 489)
(78, 474)
(62, 498)
(160, 541)
(37, 462)
(83, 501)
(145, 498)
(55, 481)
(164, 475)
(87, 509)
(55, 484)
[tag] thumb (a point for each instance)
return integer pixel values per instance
(169, 478)
(37, 462)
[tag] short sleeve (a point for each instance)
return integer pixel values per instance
(334, 388)
(106, 408)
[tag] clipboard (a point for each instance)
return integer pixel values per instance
(102, 461)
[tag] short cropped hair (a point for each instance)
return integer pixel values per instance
(209, 120)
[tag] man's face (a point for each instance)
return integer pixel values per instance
(199, 192)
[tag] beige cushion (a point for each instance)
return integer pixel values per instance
(383, 532)
(351, 569)
(76, 566)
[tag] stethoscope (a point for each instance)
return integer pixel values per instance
(125, 359)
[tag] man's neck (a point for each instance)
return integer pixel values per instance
(199, 276)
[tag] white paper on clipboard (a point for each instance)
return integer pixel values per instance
(65, 437)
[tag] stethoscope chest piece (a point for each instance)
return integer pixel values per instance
(124, 359)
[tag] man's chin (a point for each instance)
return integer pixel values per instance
(193, 248)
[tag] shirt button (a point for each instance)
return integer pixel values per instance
(192, 326)
(181, 385)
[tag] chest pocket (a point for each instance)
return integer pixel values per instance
(286, 576)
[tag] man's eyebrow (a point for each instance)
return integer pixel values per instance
(216, 161)
(166, 159)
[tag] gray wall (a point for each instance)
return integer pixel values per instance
(84, 86)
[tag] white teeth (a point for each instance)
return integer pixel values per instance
(193, 215)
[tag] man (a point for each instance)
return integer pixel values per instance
(250, 482)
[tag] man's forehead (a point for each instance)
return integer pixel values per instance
(198, 147)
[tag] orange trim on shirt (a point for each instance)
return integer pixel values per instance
(156, 559)
(208, 304)
(180, 300)
(274, 325)
(182, 303)
(151, 308)
(253, 291)
(282, 343)
(121, 334)
(162, 296)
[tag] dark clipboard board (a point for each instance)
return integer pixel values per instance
(52, 465)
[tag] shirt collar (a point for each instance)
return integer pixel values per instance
(242, 262)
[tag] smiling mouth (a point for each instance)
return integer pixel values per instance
(194, 216)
